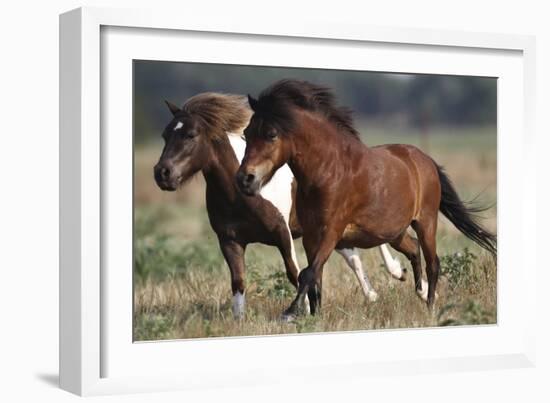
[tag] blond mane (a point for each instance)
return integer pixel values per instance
(220, 114)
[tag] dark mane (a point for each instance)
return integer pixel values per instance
(219, 113)
(275, 102)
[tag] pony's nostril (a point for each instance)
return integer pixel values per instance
(245, 180)
(165, 173)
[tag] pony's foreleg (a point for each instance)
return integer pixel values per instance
(288, 252)
(233, 253)
(283, 240)
(354, 262)
(392, 264)
(318, 249)
(295, 260)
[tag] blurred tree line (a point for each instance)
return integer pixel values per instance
(414, 99)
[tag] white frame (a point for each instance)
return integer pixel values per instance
(81, 307)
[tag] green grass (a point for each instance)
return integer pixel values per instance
(440, 140)
(182, 287)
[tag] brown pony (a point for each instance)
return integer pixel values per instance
(206, 135)
(198, 138)
(350, 195)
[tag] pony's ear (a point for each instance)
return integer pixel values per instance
(173, 108)
(252, 102)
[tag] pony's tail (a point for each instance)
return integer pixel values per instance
(463, 215)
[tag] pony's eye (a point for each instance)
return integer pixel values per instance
(272, 134)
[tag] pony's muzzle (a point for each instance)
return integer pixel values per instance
(163, 176)
(248, 182)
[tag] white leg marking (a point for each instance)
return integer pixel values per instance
(353, 261)
(238, 305)
(423, 293)
(392, 265)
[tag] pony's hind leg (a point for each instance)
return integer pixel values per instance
(233, 253)
(392, 264)
(409, 246)
(354, 262)
(426, 232)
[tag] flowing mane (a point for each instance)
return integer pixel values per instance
(275, 103)
(218, 113)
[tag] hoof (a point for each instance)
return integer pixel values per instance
(398, 272)
(372, 296)
(238, 316)
(423, 293)
(288, 317)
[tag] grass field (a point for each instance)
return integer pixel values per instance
(181, 282)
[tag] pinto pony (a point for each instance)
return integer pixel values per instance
(206, 135)
(350, 195)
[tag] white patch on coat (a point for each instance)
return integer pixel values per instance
(179, 125)
(279, 189)
(237, 144)
(238, 305)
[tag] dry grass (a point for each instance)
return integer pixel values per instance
(197, 303)
(182, 285)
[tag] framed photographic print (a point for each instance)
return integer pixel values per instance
(241, 192)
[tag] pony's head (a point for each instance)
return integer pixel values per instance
(185, 150)
(191, 136)
(278, 121)
(268, 147)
